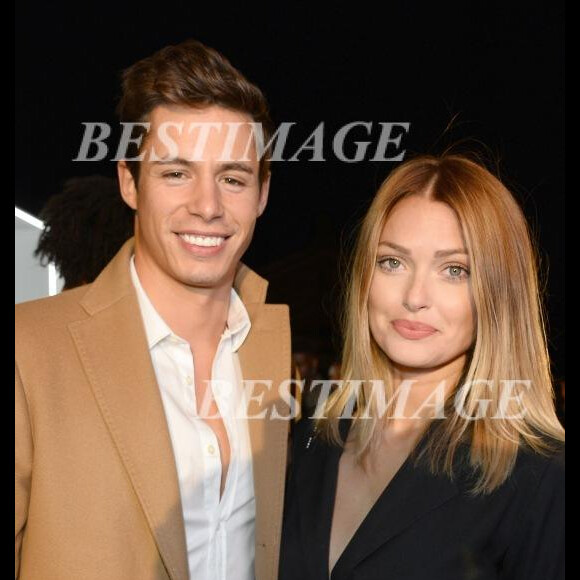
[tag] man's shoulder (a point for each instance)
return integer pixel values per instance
(51, 305)
(270, 316)
(45, 316)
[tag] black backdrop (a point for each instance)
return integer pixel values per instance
(490, 73)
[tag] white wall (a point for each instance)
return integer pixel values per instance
(31, 280)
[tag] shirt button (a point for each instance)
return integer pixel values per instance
(188, 380)
(211, 449)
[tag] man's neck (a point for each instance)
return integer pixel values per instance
(198, 315)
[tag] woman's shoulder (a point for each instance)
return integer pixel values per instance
(536, 467)
(538, 506)
(536, 476)
(532, 474)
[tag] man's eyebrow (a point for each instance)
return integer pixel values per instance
(172, 161)
(237, 166)
(229, 166)
(438, 254)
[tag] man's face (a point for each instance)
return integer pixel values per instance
(195, 218)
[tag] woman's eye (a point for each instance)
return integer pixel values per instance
(457, 272)
(389, 264)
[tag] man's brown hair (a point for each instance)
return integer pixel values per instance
(189, 74)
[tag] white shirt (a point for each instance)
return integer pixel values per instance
(219, 533)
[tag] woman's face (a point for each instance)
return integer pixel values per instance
(421, 311)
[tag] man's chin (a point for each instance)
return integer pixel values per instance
(203, 282)
(206, 279)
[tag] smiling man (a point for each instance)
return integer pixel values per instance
(134, 454)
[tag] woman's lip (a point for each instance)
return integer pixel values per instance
(412, 331)
(410, 325)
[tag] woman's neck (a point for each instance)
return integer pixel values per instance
(421, 393)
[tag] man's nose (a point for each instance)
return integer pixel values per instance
(205, 200)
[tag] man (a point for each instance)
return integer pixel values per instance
(133, 460)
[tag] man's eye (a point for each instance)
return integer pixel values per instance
(233, 181)
(174, 175)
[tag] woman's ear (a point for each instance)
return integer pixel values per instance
(127, 185)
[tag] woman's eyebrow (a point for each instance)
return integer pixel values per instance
(437, 254)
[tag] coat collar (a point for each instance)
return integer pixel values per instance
(127, 394)
(114, 283)
(413, 492)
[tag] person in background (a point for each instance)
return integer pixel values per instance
(85, 225)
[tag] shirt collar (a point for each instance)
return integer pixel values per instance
(238, 323)
(156, 329)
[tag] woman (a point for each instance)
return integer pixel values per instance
(450, 465)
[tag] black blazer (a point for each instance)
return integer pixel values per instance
(426, 527)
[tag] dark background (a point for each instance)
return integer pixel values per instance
(491, 75)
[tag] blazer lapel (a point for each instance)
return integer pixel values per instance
(316, 481)
(265, 358)
(112, 346)
(412, 493)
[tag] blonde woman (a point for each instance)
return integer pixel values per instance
(440, 455)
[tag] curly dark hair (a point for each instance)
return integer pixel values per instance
(84, 227)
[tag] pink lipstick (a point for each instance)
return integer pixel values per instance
(413, 330)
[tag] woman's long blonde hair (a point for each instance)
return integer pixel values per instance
(510, 341)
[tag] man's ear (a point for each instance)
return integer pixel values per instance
(264, 191)
(127, 185)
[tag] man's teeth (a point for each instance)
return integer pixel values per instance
(207, 241)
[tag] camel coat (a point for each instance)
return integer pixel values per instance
(96, 486)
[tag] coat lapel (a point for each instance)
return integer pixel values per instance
(265, 358)
(412, 493)
(316, 480)
(113, 349)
